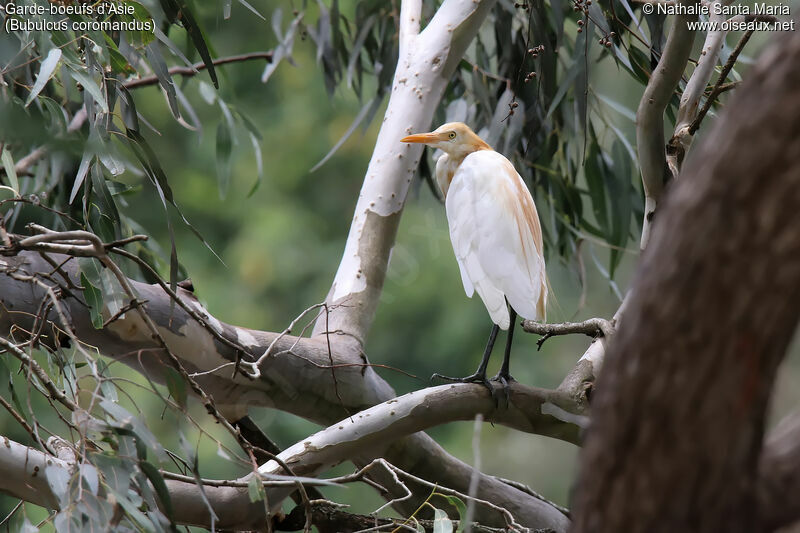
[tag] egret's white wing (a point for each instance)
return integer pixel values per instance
(496, 237)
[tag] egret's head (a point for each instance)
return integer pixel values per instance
(453, 138)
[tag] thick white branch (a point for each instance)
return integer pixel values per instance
(410, 14)
(366, 432)
(426, 62)
(365, 435)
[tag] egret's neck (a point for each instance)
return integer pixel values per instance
(449, 162)
(446, 168)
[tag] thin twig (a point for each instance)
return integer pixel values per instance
(530, 492)
(718, 85)
(196, 68)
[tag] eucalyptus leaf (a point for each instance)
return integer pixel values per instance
(90, 86)
(46, 71)
(224, 150)
(441, 523)
(11, 172)
(255, 489)
(94, 300)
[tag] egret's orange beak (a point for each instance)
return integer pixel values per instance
(424, 138)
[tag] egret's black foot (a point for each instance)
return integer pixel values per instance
(505, 381)
(477, 377)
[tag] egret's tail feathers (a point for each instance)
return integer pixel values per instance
(495, 303)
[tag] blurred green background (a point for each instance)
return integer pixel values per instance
(282, 245)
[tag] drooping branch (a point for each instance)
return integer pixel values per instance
(25, 163)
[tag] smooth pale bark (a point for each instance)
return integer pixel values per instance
(650, 141)
(679, 409)
(427, 61)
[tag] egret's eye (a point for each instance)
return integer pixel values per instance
(452, 135)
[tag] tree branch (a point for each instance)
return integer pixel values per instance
(718, 87)
(426, 63)
(689, 117)
(709, 54)
(22, 166)
(650, 115)
(196, 68)
(410, 15)
(591, 327)
(364, 434)
(296, 378)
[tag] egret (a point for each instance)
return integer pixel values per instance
(495, 232)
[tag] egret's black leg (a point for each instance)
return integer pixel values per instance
(480, 375)
(504, 377)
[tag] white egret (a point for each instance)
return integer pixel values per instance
(495, 232)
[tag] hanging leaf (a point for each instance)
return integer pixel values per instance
(252, 9)
(88, 156)
(224, 150)
(11, 172)
(157, 480)
(164, 79)
(441, 523)
(46, 71)
(255, 489)
(179, 10)
(456, 502)
(259, 165)
(91, 87)
(285, 42)
(361, 114)
(176, 386)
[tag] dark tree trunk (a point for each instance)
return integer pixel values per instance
(678, 414)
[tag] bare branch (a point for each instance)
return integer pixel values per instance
(591, 327)
(709, 54)
(197, 68)
(695, 125)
